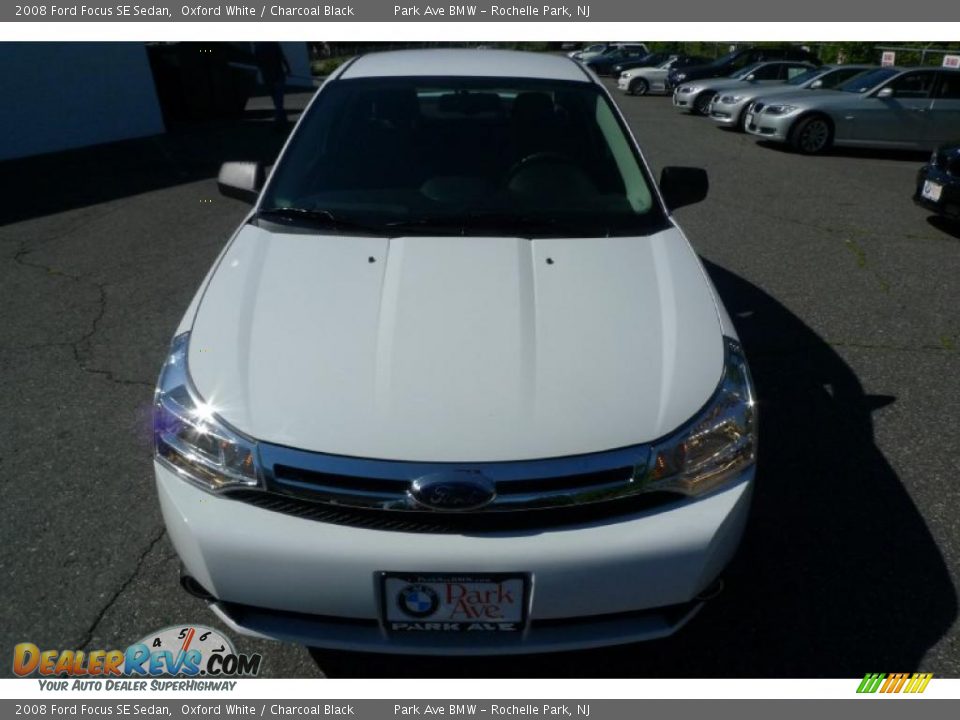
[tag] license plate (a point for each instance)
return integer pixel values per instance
(931, 190)
(430, 603)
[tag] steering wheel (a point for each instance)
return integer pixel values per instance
(549, 157)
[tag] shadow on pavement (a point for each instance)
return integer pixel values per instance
(837, 575)
(46, 184)
(914, 156)
(950, 227)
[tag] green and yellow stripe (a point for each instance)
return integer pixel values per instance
(894, 682)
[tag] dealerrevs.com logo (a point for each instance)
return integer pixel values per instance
(184, 651)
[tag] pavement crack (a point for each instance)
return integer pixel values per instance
(81, 344)
(88, 635)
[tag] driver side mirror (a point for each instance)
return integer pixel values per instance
(885, 93)
(241, 180)
(683, 186)
(750, 77)
(816, 84)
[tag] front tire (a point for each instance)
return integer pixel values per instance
(812, 135)
(701, 104)
(639, 87)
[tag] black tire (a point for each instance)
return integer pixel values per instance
(741, 124)
(639, 87)
(812, 135)
(701, 103)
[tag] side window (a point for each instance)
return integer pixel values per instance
(913, 85)
(791, 71)
(949, 86)
(773, 71)
(831, 80)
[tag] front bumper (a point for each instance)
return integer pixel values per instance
(726, 114)
(623, 83)
(768, 127)
(948, 205)
(607, 582)
(683, 100)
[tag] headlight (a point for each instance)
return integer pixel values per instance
(933, 158)
(687, 89)
(188, 436)
(717, 445)
(780, 109)
(731, 99)
(680, 77)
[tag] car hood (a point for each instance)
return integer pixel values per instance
(456, 348)
(721, 85)
(764, 91)
(809, 98)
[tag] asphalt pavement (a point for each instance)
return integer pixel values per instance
(844, 294)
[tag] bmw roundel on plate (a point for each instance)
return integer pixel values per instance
(415, 603)
(458, 383)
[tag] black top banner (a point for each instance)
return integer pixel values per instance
(417, 11)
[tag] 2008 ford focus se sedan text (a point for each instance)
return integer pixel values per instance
(458, 383)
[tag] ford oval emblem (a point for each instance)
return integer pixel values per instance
(454, 490)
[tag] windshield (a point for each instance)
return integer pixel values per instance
(867, 81)
(805, 77)
(452, 155)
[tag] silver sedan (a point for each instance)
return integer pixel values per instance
(912, 108)
(695, 96)
(728, 109)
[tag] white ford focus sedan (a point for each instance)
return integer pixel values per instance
(458, 383)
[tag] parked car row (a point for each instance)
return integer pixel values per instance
(697, 95)
(813, 107)
(737, 60)
(730, 107)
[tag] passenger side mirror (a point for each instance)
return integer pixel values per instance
(241, 180)
(885, 93)
(683, 186)
(816, 84)
(750, 77)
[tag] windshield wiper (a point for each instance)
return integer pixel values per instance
(507, 223)
(318, 216)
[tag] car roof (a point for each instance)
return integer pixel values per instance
(465, 63)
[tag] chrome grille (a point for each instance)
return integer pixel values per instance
(386, 485)
(377, 493)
